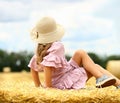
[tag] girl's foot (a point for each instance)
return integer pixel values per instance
(105, 81)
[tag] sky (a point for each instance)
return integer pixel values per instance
(91, 25)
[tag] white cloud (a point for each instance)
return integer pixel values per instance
(100, 46)
(13, 11)
(4, 36)
(66, 13)
(88, 32)
(84, 28)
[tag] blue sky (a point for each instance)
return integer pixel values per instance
(92, 25)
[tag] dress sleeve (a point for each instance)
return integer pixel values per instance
(52, 60)
(33, 65)
(55, 57)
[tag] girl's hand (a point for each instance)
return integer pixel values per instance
(44, 86)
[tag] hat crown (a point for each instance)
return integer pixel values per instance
(47, 31)
(46, 25)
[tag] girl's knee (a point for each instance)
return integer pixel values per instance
(78, 56)
(80, 52)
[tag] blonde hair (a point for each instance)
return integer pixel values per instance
(41, 51)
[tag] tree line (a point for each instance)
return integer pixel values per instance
(18, 61)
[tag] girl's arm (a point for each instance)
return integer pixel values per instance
(48, 76)
(36, 79)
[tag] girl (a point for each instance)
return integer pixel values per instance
(58, 72)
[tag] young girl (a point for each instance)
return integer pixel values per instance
(58, 72)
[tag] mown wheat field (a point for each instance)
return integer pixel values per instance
(19, 88)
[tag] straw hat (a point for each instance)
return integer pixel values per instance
(47, 31)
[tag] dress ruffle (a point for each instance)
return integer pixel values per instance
(33, 65)
(53, 60)
(74, 79)
(55, 57)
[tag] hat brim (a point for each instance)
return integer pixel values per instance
(49, 37)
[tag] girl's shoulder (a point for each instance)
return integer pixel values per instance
(58, 43)
(56, 46)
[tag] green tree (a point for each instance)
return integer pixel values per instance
(97, 59)
(16, 61)
(67, 57)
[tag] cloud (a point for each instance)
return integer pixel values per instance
(66, 9)
(4, 40)
(4, 36)
(99, 46)
(92, 34)
(87, 23)
(111, 11)
(13, 11)
(89, 28)
(25, 1)
(14, 35)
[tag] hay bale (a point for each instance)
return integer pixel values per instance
(114, 67)
(23, 71)
(6, 69)
(19, 88)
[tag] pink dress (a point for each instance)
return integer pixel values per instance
(66, 75)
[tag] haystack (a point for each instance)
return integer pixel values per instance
(6, 69)
(19, 88)
(114, 67)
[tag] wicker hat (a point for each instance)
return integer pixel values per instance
(46, 31)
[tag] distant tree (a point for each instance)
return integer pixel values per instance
(3, 57)
(18, 61)
(67, 57)
(113, 57)
(24, 60)
(97, 59)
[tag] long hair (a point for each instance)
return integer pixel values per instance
(41, 51)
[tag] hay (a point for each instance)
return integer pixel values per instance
(19, 88)
(114, 67)
(6, 69)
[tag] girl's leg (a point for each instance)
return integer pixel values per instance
(83, 59)
(108, 73)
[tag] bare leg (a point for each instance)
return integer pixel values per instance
(83, 59)
(92, 69)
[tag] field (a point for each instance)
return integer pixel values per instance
(19, 88)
